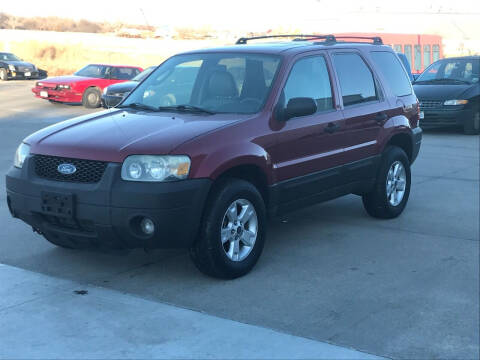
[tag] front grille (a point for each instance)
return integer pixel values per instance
(430, 104)
(88, 171)
(25, 69)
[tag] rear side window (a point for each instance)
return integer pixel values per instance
(357, 84)
(393, 71)
(309, 78)
(124, 73)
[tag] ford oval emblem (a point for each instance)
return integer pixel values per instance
(66, 169)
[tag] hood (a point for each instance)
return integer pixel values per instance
(121, 88)
(67, 79)
(440, 91)
(114, 134)
(18, 63)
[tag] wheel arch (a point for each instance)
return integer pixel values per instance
(404, 141)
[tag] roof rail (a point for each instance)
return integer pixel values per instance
(329, 39)
(297, 37)
(376, 40)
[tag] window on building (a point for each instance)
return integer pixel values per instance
(417, 53)
(397, 48)
(436, 52)
(426, 55)
(407, 50)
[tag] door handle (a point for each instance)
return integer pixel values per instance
(331, 128)
(381, 117)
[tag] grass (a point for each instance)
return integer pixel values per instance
(66, 59)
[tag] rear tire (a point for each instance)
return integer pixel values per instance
(472, 125)
(3, 75)
(91, 98)
(392, 186)
(230, 244)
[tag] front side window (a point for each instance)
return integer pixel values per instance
(393, 71)
(94, 71)
(217, 82)
(357, 83)
(123, 73)
(309, 78)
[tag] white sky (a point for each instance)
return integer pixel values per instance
(228, 13)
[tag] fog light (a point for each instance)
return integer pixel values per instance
(147, 226)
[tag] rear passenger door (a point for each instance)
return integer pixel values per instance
(364, 108)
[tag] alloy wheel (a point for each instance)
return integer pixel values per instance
(239, 229)
(396, 183)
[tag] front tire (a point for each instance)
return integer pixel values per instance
(472, 125)
(233, 230)
(3, 75)
(392, 186)
(91, 98)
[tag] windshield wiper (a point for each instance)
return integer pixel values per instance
(186, 108)
(139, 106)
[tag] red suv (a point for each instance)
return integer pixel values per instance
(86, 85)
(214, 141)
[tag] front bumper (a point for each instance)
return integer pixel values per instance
(417, 142)
(106, 213)
(22, 74)
(109, 101)
(67, 96)
(445, 116)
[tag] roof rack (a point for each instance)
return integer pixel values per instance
(376, 40)
(297, 37)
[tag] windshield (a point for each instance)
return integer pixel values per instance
(144, 74)
(8, 57)
(93, 71)
(452, 70)
(214, 82)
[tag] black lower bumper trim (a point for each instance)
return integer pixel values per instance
(107, 214)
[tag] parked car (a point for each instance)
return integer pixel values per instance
(449, 93)
(86, 85)
(254, 131)
(12, 67)
(113, 94)
(406, 64)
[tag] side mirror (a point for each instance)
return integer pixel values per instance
(301, 106)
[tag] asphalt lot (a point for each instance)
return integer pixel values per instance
(402, 288)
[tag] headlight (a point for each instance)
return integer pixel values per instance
(455, 102)
(11, 67)
(61, 86)
(155, 168)
(22, 152)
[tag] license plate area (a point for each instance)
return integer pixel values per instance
(61, 205)
(44, 94)
(28, 74)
